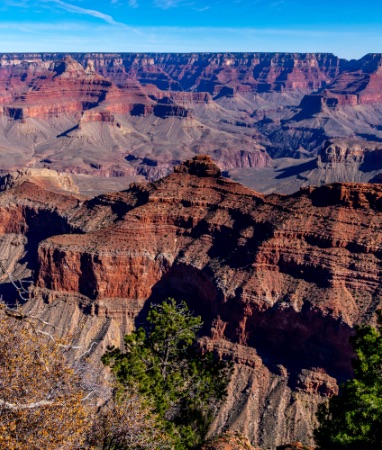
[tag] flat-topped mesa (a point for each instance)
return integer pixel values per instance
(201, 166)
(317, 103)
(175, 106)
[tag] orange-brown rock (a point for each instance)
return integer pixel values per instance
(105, 115)
(244, 230)
(294, 446)
(364, 84)
(229, 441)
(69, 88)
(279, 280)
(200, 71)
(72, 115)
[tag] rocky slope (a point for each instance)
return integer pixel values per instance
(279, 280)
(124, 117)
(229, 441)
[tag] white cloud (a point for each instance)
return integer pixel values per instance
(88, 12)
(133, 3)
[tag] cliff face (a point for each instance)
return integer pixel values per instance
(369, 155)
(195, 207)
(204, 72)
(279, 281)
(130, 116)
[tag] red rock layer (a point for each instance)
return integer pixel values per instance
(65, 87)
(202, 71)
(89, 113)
(244, 260)
(358, 87)
(279, 281)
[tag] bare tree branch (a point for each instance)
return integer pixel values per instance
(18, 407)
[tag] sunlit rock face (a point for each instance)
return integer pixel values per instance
(280, 281)
(128, 117)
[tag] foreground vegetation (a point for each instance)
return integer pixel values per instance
(184, 385)
(166, 393)
(165, 396)
(41, 396)
(353, 420)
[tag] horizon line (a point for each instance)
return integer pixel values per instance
(186, 53)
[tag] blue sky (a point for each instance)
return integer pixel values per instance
(349, 29)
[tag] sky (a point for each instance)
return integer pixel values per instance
(347, 28)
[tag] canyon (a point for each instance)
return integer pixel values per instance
(279, 280)
(267, 119)
(247, 184)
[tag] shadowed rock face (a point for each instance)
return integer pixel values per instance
(106, 115)
(279, 280)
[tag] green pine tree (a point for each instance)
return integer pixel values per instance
(353, 420)
(185, 386)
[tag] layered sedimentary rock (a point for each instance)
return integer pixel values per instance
(47, 178)
(107, 115)
(353, 151)
(63, 87)
(360, 83)
(205, 72)
(365, 84)
(208, 72)
(280, 281)
(354, 160)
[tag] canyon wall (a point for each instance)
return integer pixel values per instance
(280, 281)
(204, 72)
(208, 72)
(127, 117)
